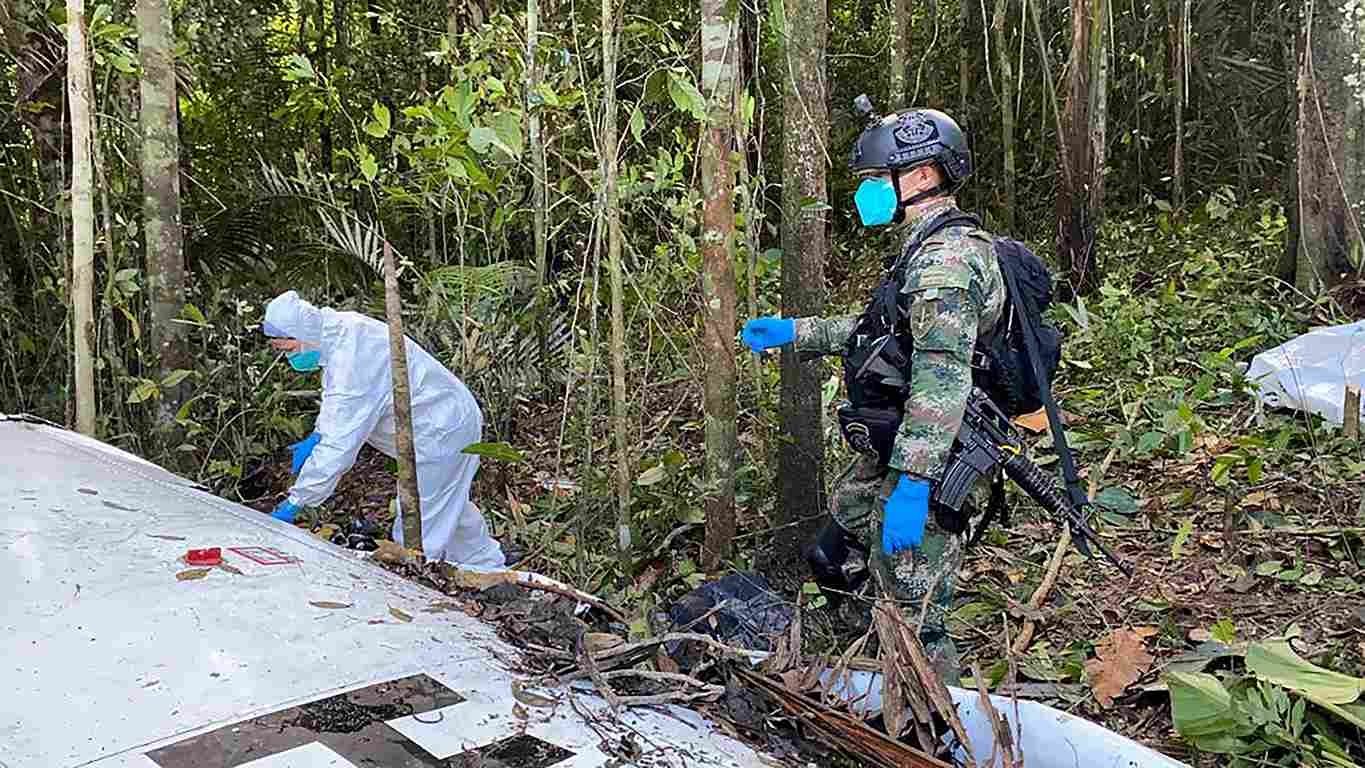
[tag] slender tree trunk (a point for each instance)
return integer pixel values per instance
(161, 198)
(899, 52)
(324, 66)
(82, 217)
(409, 497)
(341, 24)
(1099, 111)
(539, 179)
(719, 44)
(1075, 217)
(1331, 148)
(801, 461)
(1178, 11)
(610, 171)
(1006, 113)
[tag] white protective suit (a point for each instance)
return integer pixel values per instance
(357, 408)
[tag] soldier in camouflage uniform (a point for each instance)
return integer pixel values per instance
(950, 291)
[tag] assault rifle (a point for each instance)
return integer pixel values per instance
(988, 440)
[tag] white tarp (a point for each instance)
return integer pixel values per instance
(1310, 372)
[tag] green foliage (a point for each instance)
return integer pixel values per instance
(1264, 717)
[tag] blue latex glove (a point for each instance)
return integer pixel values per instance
(286, 511)
(905, 515)
(767, 332)
(302, 450)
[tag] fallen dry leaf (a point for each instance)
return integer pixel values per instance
(530, 699)
(442, 607)
(327, 604)
(1120, 659)
(519, 712)
(392, 552)
(397, 614)
(166, 536)
(231, 569)
(192, 574)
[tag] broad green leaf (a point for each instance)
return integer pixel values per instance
(147, 389)
(126, 275)
(1274, 661)
(298, 68)
(369, 167)
(637, 125)
(685, 95)
(1182, 537)
(481, 138)
(1269, 567)
(122, 63)
(1200, 705)
(495, 451)
(1224, 631)
(192, 313)
(507, 128)
(652, 475)
(382, 116)
(1116, 498)
(547, 95)
(174, 378)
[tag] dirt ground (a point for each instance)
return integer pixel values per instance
(1213, 567)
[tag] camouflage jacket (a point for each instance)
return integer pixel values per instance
(953, 292)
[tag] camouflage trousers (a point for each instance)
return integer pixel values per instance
(922, 580)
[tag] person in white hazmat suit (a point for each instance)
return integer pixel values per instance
(357, 408)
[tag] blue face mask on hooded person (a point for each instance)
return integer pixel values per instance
(876, 201)
(306, 361)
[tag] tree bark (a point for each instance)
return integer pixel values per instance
(82, 216)
(610, 172)
(801, 459)
(719, 44)
(899, 53)
(1331, 148)
(324, 65)
(409, 498)
(161, 198)
(1082, 170)
(539, 179)
(1007, 204)
(1178, 12)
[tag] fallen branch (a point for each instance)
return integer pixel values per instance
(585, 659)
(1054, 565)
(480, 580)
(841, 730)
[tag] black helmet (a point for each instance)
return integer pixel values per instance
(909, 139)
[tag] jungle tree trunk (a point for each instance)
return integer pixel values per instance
(1007, 205)
(82, 217)
(1099, 110)
(899, 53)
(161, 198)
(1331, 147)
(801, 459)
(408, 496)
(719, 44)
(538, 178)
(325, 69)
(610, 171)
(1081, 184)
(1178, 12)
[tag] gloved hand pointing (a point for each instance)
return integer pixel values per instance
(767, 332)
(906, 512)
(302, 450)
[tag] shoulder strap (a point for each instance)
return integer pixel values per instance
(941, 221)
(1073, 482)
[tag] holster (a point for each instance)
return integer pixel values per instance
(870, 430)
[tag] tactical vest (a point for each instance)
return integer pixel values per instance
(877, 354)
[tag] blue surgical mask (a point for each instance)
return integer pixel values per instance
(305, 361)
(876, 201)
